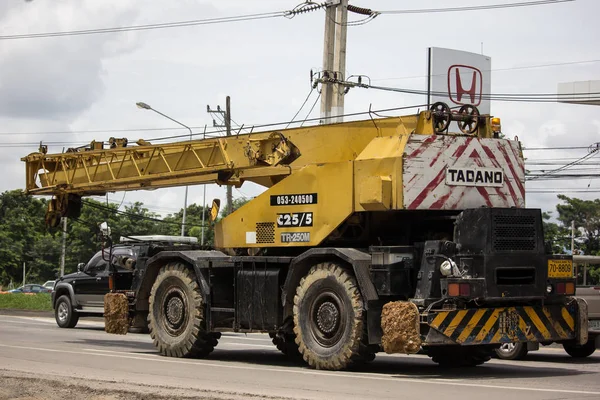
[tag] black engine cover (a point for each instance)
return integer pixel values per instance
(506, 247)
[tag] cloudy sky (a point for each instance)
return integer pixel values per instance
(79, 84)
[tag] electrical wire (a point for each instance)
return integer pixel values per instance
(495, 70)
(556, 148)
(311, 109)
(548, 175)
(509, 97)
(106, 208)
(475, 8)
(301, 107)
(300, 9)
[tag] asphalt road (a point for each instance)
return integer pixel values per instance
(246, 366)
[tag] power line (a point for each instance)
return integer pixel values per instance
(311, 109)
(496, 70)
(302, 106)
(475, 8)
(592, 150)
(299, 9)
(106, 208)
(557, 148)
(76, 132)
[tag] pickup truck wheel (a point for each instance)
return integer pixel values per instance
(512, 351)
(456, 356)
(328, 317)
(176, 317)
(64, 314)
(578, 351)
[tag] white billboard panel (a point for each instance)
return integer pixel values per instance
(459, 77)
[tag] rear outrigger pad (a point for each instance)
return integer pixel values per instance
(116, 313)
(400, 326)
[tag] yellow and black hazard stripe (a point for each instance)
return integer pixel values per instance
(506, 324)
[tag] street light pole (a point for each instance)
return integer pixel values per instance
(145, 106)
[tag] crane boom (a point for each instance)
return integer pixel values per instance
(354, 167)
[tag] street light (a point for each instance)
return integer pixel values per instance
(145, 106)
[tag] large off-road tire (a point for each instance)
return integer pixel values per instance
(328, 317)
(512, 351)
(458, 356)
(65, 315)
(578, 351)
(176, 317)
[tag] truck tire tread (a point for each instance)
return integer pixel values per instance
(341, 354)
(193, 340)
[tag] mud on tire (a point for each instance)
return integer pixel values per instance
(176, 317)
(328, 317)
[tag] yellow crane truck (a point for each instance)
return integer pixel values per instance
(386, 234)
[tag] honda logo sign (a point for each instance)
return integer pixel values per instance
(465, 85)
(459, 77)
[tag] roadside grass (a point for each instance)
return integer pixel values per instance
(20, 301)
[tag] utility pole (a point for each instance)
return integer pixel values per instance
(339, 60)
(572, 237)
(334, 59)
(226, 116)
(23, 273)
(64, 247)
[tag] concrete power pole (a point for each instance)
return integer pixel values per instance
(226, 115)
(64, 247)
(334, 59)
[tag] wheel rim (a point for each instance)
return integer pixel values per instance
(507, 347)
(63, 312)
(327, 319)
(175, 311)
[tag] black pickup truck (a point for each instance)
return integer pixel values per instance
(81, 294)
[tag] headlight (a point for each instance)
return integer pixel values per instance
(446, 268)
(549, 289)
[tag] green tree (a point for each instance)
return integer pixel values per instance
(586, 215)
(193, 223)
(21, 228)
(555, 235)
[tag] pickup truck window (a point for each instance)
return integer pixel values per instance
(96, 265)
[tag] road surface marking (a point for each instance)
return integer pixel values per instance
(292, 370)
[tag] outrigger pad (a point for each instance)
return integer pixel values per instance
(400, 325)
(116, 313)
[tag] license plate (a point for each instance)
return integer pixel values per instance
(560, 269)
(594, 325)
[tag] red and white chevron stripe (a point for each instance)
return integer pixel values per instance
(426, 159)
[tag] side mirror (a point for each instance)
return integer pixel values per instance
(80, 267)
(104, 229)
(214, 210)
